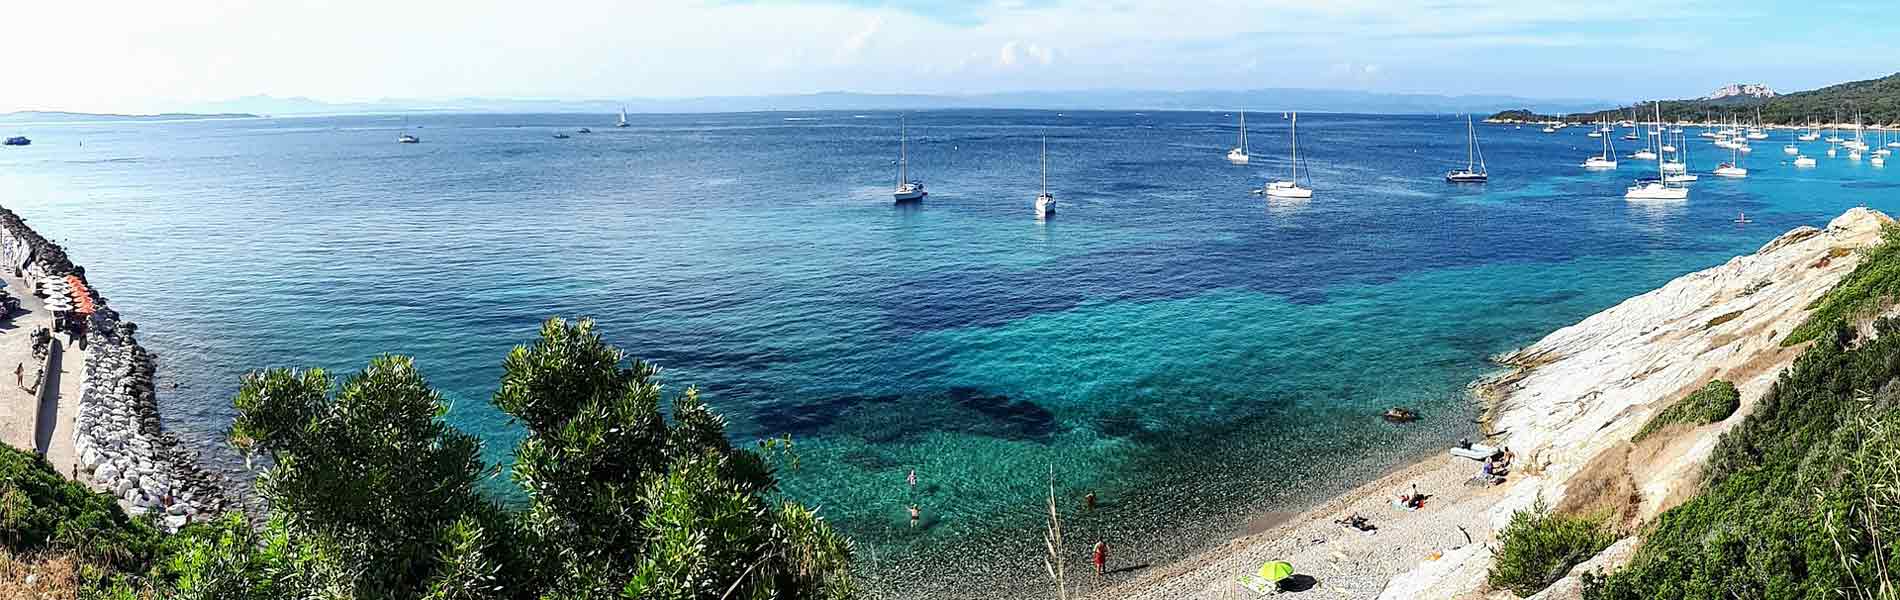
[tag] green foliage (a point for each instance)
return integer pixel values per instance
(372, 495)
(617, 489)
(1538, 548)
(1802, 500)
(1714, 402)
(372, 474)
(42, 510)
(1872, 285)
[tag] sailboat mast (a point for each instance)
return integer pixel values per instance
(903, 151)
(1295, 135)
(1471, 142)
(1659, 159)
(1045, 165)
(1243, 132)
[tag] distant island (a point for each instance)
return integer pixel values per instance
(1874, 97)
(58, 116)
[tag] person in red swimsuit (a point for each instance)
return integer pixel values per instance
(1101, 558)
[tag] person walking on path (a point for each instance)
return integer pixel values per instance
(19, 375)
(1101, 558)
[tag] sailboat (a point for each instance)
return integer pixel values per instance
(1605, 161)
(1658, 188)
(1803, 161)
(1755, 133)
(1677, 171)
(1741, 218)
(1290, 187)
(1474, 157)
(1238, 155)
(1045, 201)
(1732, 168)
(1810, 135)
(623, 118)
(405, 137)
(1646, 153)
(907, 190)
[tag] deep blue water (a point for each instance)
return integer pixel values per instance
(1190, 352)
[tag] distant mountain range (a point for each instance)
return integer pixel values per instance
(55, 116)
(1878, 101)
(1280, 99)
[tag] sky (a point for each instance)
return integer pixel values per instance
(127, 56)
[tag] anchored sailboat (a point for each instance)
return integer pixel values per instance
(1238, 155)
(1474, 171)
(1658, 188)
(1290, 187)
(1605, 161)
(623, 118)
(1045, 201)
(907, 190)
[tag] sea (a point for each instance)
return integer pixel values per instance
(1197, 357)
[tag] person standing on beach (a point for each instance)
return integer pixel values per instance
(1101, 558)
(19, 376)
(914, 515)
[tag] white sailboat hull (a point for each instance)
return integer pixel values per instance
(1674, 167)
(1597, 162)
(1237, 157)
(1287, 189)
(1804, 161)
(1045, 206)
(909, 192)
(1680, 178)
(1731, 172)
(1656, 191)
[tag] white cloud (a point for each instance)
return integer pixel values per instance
(1015, 53)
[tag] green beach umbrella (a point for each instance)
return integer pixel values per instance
(1276, 570)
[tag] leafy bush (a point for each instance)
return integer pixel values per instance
(1872, 284)
(1714, 402)
(1538, 548)
(42, 510)
(1801, 500)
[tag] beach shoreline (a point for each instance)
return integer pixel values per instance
(1568, 406)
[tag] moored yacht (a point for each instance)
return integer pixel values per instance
(1290, 187)
(1803, 161)
(1238, 155)
(907, 190)
(1045, 201)
(1474, 171)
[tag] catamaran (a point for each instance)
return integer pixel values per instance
(1045, 201)
(1658, 188)
(623, 118)
(1290, 187)
(907, 190)
(1238, 155)
(1474, 171)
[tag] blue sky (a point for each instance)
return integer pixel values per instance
(141, 56)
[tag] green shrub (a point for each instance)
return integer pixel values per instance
(42, 510)
(1799, 500)
(1539, 547)
(1876, 281)
(1714, 402)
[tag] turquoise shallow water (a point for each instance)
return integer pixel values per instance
(1191, 353)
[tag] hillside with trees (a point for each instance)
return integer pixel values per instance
(1877, 99)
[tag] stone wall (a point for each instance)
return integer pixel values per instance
(122, 447)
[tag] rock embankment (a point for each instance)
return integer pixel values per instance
(122, 446)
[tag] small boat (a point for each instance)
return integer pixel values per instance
(1238, 155)
(1729, 169)
(1803, 161)
(1830, 151)
(1878, 160)
(408, 139)
(1474, 171)
(18, 140)
(1045, 201)
(907, 190)
(1742, 218)
(623, 118)
(1595, 134)
(1290, 187)
(1549, 129)
(1853, 155)
(584, 130)
(560, 135)
(1790, 149)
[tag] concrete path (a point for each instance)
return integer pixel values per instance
(40, 423)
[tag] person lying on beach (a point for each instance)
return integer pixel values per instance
(1354, 521)
(1412, 501)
